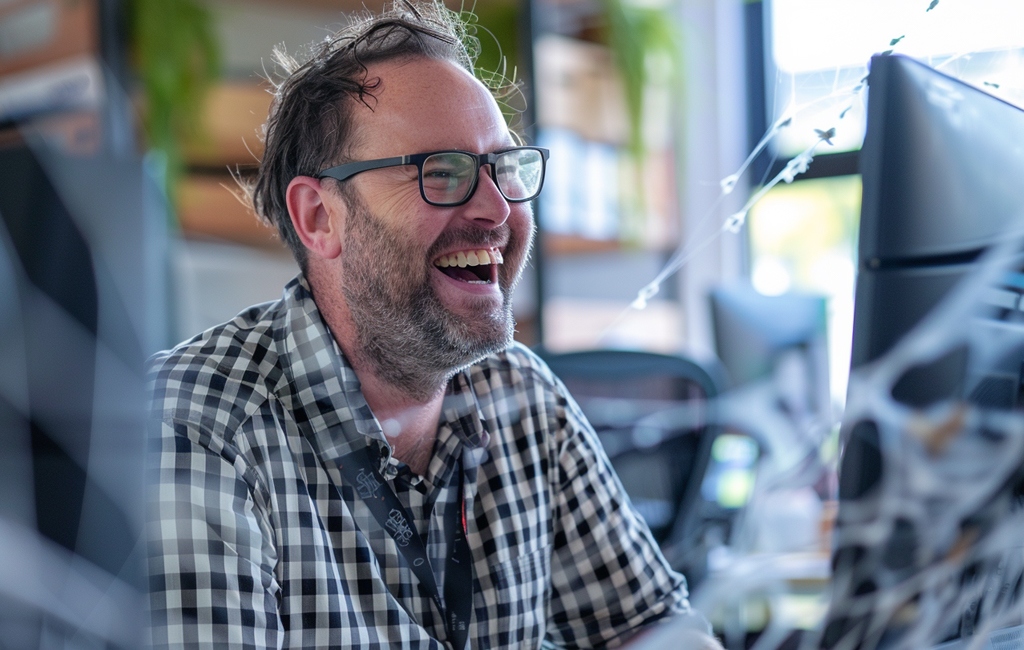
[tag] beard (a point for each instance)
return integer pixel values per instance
(410, 338)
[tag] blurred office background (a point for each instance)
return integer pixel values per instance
(650, 108)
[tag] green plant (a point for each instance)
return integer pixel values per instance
(637, 35)
(641, 37)
(175, 53)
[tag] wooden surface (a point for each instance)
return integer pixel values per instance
(559, 244)
(207, 206)
(377, 5)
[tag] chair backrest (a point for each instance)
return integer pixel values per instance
(652, 413)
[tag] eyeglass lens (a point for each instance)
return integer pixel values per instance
(449, 177)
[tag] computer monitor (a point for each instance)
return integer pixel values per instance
(943, 182)
(759, 337)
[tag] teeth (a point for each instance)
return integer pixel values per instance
(462, 259)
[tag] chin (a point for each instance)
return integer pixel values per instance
(473, 340)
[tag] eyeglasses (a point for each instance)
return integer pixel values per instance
(449, 178)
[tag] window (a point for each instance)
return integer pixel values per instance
(803, 236)
(817, 53)
(811, 57)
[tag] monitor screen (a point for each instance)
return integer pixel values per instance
(930, 475)
(942, 165)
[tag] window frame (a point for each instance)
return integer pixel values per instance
(768, 165)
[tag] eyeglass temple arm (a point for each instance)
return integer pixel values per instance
(348, 170)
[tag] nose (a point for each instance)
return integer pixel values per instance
(487, 207)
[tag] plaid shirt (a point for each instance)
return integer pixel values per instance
(256, 540)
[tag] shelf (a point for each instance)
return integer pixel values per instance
(578, 88)
(558, 244)
(233, 116)
(42, 32)
(207, 207)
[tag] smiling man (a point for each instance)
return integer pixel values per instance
(371, 461)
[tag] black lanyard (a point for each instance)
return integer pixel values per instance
(360, 469)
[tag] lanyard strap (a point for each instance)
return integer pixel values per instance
(360, 470)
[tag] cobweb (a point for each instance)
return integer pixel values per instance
(935, 539)
(79, 289)
(932, 547)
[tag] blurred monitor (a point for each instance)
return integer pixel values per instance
(760, 337)
(83, 257)
(729, 480)
(942, 168)
(75, 299)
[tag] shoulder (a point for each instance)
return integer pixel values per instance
(516, 367)
(218, 377)
(519, 384)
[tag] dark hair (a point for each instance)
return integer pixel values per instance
(309, 126)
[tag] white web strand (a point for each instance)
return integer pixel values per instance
(798, 165)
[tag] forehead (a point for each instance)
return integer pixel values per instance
(424, 105)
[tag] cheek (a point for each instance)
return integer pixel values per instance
(409, 226)
(520, 221)
(406, 204)
(521, 233)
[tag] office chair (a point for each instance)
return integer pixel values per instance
(652, 414)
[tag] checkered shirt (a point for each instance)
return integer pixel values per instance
(255, 539)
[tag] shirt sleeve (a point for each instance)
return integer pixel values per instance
(609, 578)
(211, 553)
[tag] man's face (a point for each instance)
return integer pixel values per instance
(415, 309)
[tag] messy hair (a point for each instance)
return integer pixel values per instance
(309, 127)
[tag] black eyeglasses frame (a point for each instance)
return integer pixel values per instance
(348, 170)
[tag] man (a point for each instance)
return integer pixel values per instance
(371, 461)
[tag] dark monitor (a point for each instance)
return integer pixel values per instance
(942, 168)
(943, 182)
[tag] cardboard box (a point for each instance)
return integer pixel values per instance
(233, 117)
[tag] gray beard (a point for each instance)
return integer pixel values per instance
(411, 340)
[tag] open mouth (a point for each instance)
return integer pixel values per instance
(478, 266)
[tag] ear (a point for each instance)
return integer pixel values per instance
(316, 215)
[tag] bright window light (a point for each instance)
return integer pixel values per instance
(820, 49)
(804, 237)
(809, 35)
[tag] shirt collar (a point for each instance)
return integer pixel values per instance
(323, 392)
(461, 410)
(318, 385)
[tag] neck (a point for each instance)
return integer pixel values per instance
(408, 408)
(409, 423)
